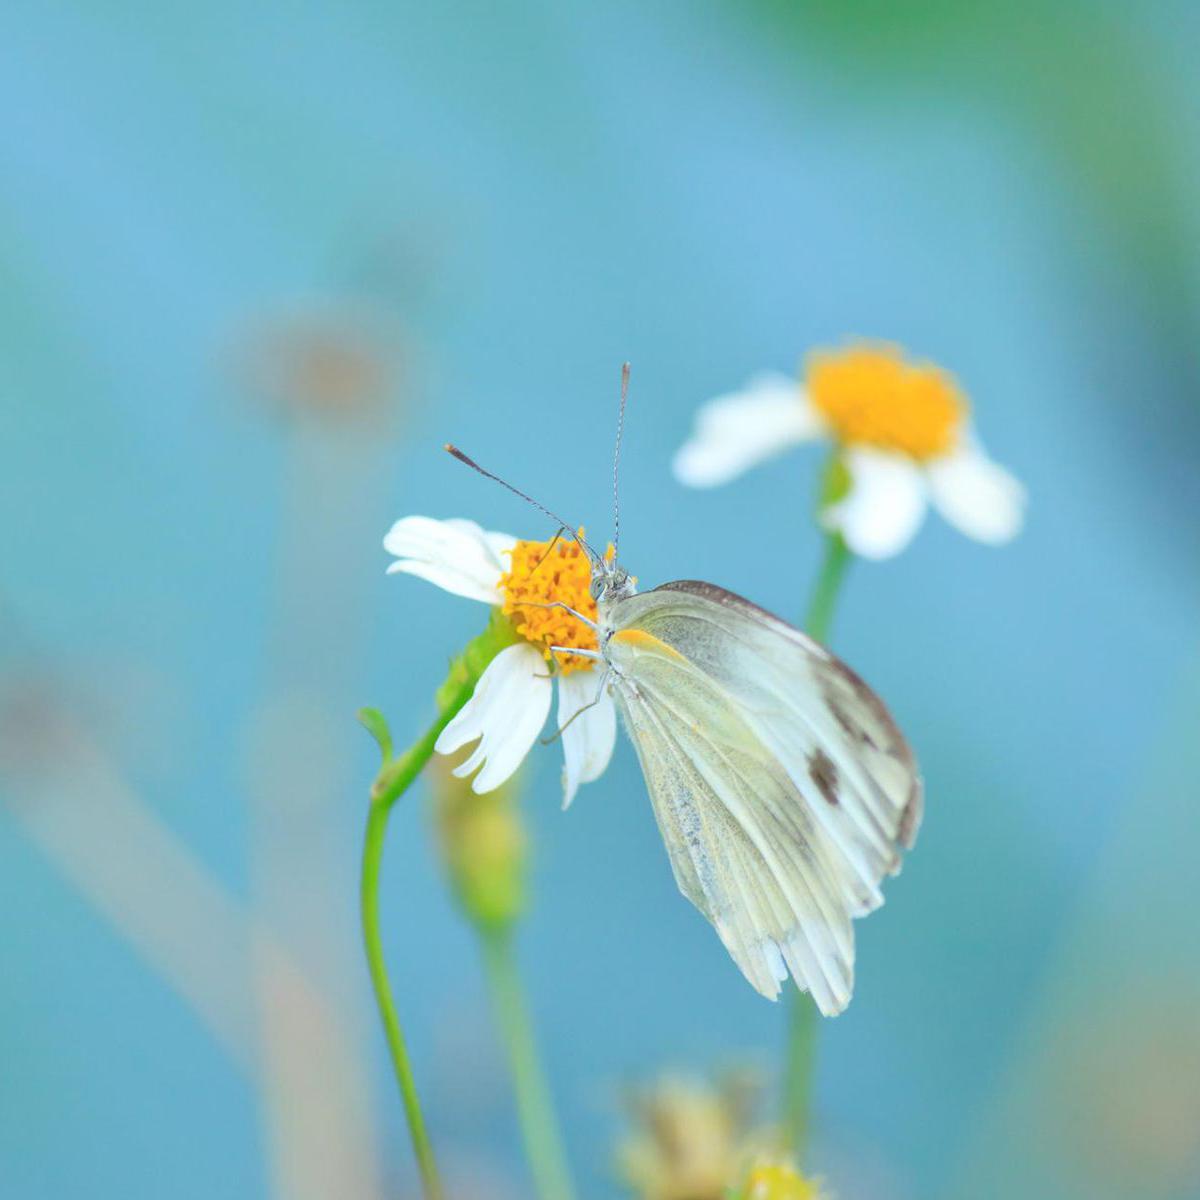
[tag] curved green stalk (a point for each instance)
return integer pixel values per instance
(394, 778)
(372, 855)
(804, 1019)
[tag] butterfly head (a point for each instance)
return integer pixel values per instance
(610, 581)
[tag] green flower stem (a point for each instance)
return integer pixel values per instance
(539, 1126)
(803, 1021)
(799, 1069)
(372, 856)
(395, 777)
(825, 592)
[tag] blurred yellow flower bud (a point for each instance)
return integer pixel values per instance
(690, 1138)
(778, 1181)
(483, 845)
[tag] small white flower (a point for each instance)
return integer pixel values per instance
(512, 698)
(903, 433)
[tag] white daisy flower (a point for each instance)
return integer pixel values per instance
(512, 698)
(902, 430)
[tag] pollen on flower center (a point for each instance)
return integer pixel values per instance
(543, 573)
(871, 396)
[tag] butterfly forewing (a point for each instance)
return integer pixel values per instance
(783, 789)
(742, 846)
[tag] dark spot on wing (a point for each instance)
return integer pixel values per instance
(911, 815)
(839, 715)
(823, 772)
(842, 678)
(860, 714)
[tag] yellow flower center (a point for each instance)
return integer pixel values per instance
(778, 1182)
(872, 397)
(542, 573)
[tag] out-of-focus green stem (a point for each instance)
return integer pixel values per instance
(804, 1019)
(800, 1070)
(821, 604)
(394, 778)
(539, 1126)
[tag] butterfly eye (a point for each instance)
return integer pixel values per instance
(596, 587)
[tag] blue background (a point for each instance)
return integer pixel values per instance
(512, 201)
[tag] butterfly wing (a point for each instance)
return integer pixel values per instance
(783, 789)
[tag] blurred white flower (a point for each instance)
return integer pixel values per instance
(902, 431)
(512, 698)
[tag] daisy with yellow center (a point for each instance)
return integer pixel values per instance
(901, 428)
(523, 579)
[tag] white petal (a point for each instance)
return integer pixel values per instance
(501, 544)
(977, 496)
(885, 505)
(589, 738)
(456, 555)
(506, 713)
(739, 430)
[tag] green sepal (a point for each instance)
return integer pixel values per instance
(469, 666)
(836, 481)
(484, 848)
(374, 722)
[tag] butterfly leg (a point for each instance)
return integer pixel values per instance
(579, 711)
(578, 652)
(566, 608)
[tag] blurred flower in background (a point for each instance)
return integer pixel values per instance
(333, 372)
(335, 361)
(901, 431)
(690, 1138)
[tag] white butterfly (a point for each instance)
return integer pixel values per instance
(781, 785)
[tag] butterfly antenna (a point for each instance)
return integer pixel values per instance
(455, 452)
(617, 459)
(549, 549)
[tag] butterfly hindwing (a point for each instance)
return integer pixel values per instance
(782, 788)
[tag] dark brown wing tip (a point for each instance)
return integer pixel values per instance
(910, 818)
